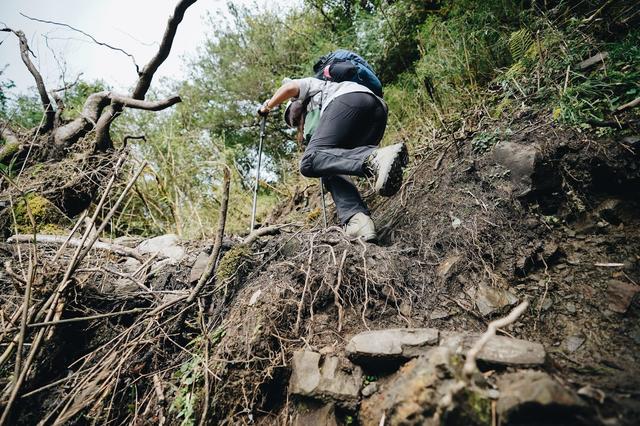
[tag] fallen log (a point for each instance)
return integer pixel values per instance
(76, 242)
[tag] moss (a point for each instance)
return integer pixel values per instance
(313, 215)
(49, 220)
(8, 151)
(231, 261)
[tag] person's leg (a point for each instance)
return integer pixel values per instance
(350, 129)
(345, 196)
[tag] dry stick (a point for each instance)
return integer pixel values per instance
(217, 245)
(72, 266)
(470, 362)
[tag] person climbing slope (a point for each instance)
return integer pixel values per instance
(352, 121)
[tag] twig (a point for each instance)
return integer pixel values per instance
(470, 362)
(217, 245)
(133, 59)
(628, 105)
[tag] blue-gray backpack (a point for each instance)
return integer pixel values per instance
(345, 65)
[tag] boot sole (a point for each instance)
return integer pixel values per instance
(394, 179)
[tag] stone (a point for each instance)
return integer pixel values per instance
(411, 396)
(335, 378)
(311, 414)
(529, 173)
(131, 265)
(165, 245)
(439, 314)
(620, 295)
(499, 350)
(305, 373)
(198, 267)
(445, 266)
(370, 389)
(395, 343)
(491, 299)
(255, 297)
(533, 397)
(573, 343)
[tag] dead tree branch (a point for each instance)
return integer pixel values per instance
(145, 76)
(93, 109)
(42, 90)
(100, 43)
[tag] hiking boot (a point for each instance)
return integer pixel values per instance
(385, 165)
(361, 226)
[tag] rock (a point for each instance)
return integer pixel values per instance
(370, 389)
(313, 414)
(131, 265)
(198, 267)
(392, 344)
(573, 343)
(127, 241)
(620, 295)
(499, 350)
(165, 245)
(445, 266)
(529, 173)
(255, 297)
(305, 373)
(439, 314)
(533, 397)
(611, 211)
(335, 379)
(412, 395)
(491, 299)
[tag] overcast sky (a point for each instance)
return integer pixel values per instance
(133, 25)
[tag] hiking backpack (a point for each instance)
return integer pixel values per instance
(345, 65)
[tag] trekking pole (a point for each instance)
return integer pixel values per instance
(263, 125)
(324, 208)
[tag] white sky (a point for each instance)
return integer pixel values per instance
(133, 25)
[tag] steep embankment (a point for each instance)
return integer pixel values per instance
(531, 212)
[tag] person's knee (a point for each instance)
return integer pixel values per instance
(306, 165)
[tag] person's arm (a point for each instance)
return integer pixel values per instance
(285, 92)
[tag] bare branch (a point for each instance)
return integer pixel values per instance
(93, 109)
(42, 90)
(144, 82)
(103, 140)
(100, 43)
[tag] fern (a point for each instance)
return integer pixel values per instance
(519, 42)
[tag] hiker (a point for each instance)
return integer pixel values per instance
(351, 124)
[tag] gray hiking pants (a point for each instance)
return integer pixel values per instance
(349, 130)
